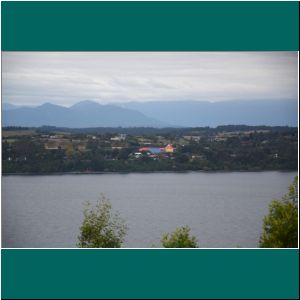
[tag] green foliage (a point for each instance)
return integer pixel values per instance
(293, 192)
(280, 228)
(275, 149)
(180, 238)
(101, 228)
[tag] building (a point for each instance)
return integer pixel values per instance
(120, 137)
(155, 150)
(169, 149)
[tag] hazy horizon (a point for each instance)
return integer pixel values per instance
(65, 78)
(137, 102)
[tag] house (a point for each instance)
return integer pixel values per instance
(169, 149)
(155, 150)
(143, 149)
(137, 154)
(120, 137)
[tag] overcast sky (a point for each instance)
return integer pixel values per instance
(32, 78)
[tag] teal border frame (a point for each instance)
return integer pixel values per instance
(150, 26)
(150, 273)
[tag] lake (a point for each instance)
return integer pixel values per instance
(223, 209)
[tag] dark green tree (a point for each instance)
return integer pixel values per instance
(280, 227)
(180, 238)
(100, 227)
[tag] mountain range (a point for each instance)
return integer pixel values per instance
(80, 115)
(204, 113)
(155, 114)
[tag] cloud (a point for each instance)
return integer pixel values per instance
(31, 78)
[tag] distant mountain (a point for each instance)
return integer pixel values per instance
(204, 113)
(154, 114)
(86, 105)
(7, 106)
(81, 115)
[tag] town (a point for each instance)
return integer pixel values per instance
(52, 150)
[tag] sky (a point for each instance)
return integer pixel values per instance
(65, 78)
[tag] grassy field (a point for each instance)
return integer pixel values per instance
(9, 133)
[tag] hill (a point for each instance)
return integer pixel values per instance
(204, 113)
(80, 115)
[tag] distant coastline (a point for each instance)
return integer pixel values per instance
(146, 172)
(223, 149)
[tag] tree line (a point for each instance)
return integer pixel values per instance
(274, 150)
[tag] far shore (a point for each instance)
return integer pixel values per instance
(143, 172)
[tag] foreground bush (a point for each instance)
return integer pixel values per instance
(280, 228)
(180, 238)
(100, 227)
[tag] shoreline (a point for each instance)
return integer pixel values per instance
(145, 172)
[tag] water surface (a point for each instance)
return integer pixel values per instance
(222, 209)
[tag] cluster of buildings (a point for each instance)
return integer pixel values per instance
(116, 142)
(153, 152)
